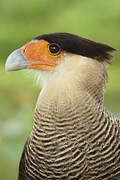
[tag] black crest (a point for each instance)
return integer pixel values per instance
(78, 45)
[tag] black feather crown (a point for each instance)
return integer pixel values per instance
(78, 45)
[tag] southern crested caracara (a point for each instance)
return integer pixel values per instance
(74, 136)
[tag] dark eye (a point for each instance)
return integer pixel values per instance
(54, 49)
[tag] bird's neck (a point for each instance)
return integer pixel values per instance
(79, 78)
(71, 96)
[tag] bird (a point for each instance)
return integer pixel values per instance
(74, 136)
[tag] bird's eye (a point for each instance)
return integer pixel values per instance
(54, 49)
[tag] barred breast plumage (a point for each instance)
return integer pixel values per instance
(74, 137)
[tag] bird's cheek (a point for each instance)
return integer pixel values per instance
(38, 58)
(42, 63)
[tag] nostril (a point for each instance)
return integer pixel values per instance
(24, 49)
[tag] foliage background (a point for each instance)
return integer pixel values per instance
(20, 21)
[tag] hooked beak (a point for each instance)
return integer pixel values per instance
(16, 61)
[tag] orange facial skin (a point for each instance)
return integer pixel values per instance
(39, 56)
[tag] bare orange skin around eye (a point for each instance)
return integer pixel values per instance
(38, 55)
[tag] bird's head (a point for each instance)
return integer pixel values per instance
(61, 52)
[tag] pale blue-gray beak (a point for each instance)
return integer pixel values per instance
(16, 61)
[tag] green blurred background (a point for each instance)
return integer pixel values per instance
(20, 21)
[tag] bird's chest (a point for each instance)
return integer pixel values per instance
(65, 141)
(65, 145)
(57, 155)
(58, 144)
